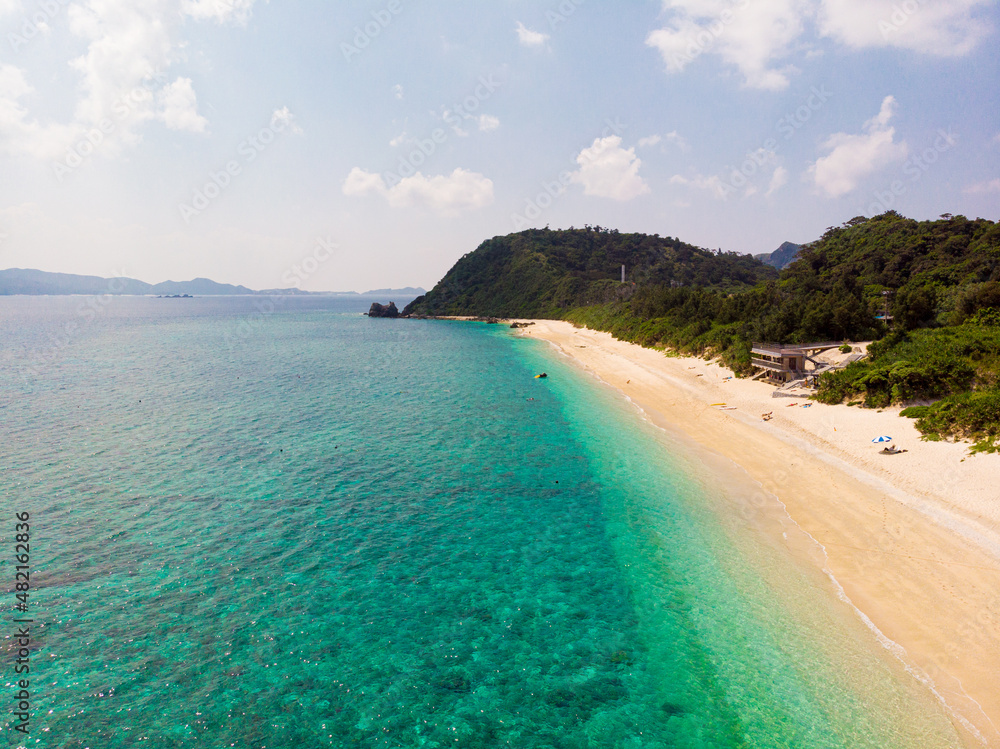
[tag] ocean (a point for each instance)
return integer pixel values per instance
(278, 523)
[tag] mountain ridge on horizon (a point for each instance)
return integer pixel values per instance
(781, 257)
(32, 282)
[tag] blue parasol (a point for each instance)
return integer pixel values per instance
(883, 438)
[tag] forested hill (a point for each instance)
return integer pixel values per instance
(936, 272)
(929, 273)
(544, 273)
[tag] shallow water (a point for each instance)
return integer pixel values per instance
(302, 527)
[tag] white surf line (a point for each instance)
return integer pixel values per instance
(893, 647)
(897, 650)
(976, 702)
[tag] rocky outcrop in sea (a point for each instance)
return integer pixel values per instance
(382, 310)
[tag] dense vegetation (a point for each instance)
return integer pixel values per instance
(937, 272)
(956, 367)
(938, 281)
(543, 273)
(943, 284)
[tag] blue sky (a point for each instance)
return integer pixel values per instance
(356, 145)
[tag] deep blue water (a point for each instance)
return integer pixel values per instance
(298, 527)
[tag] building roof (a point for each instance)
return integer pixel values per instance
(797, 349)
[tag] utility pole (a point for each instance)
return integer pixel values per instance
(623, 273)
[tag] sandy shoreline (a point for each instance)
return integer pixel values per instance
(913, 539)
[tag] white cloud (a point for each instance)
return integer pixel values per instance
(13, 87)
(220, 11)
(678, 140)
(398, 140)
(452, 119)
(609, 171)
(180, 107)
(282, 119)
(983, 188)
(750, 36)
(9, 7)
(529, 38)
(128, 42)
(488, 122)
(461, 190)
(713, 184)
(778, 180)
(943, 27)
(122, 80)
(853, 157)
(759, 37)
(744, 178)
(673, 137)
(24, 217)
(20, 135)
(359, 182)
(397, 91)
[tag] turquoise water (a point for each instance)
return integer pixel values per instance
(302, 528)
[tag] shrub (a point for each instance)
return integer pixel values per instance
(973, 415)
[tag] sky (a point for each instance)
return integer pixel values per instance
(349, 145)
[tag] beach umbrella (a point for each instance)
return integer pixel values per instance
(883, 438)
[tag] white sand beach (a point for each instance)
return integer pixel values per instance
(913, 538)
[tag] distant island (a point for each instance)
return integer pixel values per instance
(405, 291)
(42, 283)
